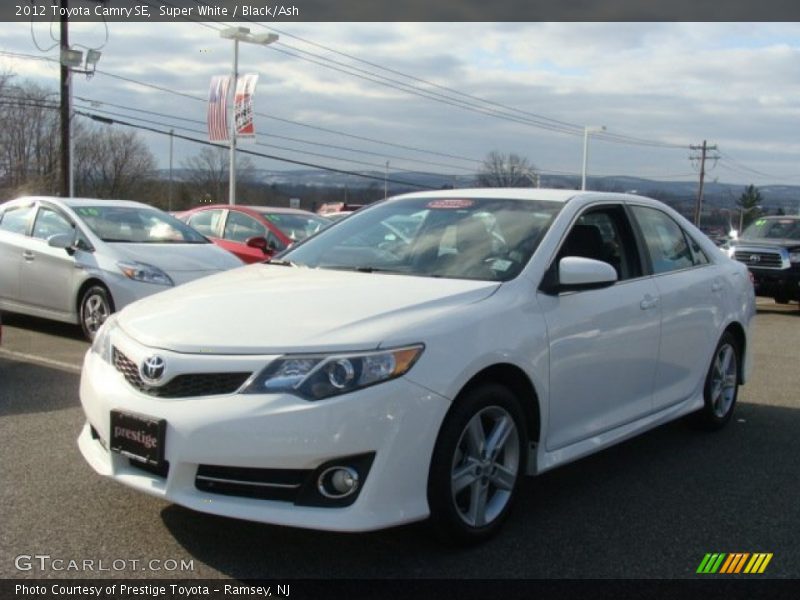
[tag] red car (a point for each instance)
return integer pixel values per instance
(253, 233)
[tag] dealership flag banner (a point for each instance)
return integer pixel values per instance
(218, 108)
(243, 105)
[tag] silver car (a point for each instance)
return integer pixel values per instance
(79, 260)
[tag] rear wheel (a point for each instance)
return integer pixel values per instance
(477, 464)
(96, 306)
(721, 387)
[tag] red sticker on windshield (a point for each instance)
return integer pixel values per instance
(450, 203)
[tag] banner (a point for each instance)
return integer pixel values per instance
(243, 105)
(218, 130)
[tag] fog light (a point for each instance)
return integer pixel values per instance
(338, 482)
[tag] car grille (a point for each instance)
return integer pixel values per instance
(181, 386)
(755, 258)
(264, 484)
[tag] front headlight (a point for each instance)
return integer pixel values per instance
(794, 256)
(315, 377)
(143, 272)
(102, 339)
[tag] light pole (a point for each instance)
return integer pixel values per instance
(239, 34)
(586, 131)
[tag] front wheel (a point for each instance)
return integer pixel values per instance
(721, 387)
(96, 306)
(477, 464)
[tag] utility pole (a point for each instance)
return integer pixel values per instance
(66, 159)
(169, 193)
(704, 150)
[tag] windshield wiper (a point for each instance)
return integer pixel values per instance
(363, 269)
(279, 262)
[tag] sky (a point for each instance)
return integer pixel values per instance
(658, 88)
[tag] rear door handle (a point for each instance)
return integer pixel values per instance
(716, 286)
(648, 302)
(28, 255)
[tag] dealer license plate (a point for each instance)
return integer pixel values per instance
(138, 437)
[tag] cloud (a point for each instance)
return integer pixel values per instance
(734, 84)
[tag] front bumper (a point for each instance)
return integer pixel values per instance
(398, 421)
(774, 282)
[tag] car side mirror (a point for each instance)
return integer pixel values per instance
(259, 242)
(575, 273)
(65, 241)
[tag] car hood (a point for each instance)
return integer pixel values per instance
(782, 242)
(266, 309)
(178, 258)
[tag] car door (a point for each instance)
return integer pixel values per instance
(690, 287)
(14, 224)
(48, 273)
(240, 227)
(604, 342)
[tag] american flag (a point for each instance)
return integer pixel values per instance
(218, 130)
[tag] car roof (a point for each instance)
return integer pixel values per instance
(255, 208)
(513, 193)
(78, 202)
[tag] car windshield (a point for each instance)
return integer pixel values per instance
(297, 227)
(476, 238)
(787, 229)
(139, 225)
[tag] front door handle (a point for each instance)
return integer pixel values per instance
(716, 286)
(648, 302)
(28, 255)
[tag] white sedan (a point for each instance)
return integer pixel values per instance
(352, 386)
(78, 260)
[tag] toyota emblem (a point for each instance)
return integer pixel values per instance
(152, 369)
(754, 258)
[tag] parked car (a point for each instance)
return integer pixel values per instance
(338, 210)
(253, 233)
(351, 386)
(79, 260)
(770, 247)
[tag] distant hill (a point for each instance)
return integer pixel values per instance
(680, 193)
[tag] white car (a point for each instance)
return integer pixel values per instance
(353, 387)
(79, 260)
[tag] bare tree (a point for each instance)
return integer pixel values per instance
(501, 170)
(28, 138)
(111, 163)
(208, 173)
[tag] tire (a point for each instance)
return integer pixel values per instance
(95, 307)
(721, 387)
(472, 486)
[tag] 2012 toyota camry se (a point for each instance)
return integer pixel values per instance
(367, 379)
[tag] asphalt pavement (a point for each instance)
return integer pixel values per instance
(651, 507)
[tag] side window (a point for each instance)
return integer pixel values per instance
(699, 257)
(15, 219)
(206, 222)
(604, 234)
(665, 240)
(49, 223)
(239, 227)
(274, 242)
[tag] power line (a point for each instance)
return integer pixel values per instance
(266, 145)
(534, 119)
(110, 121)
(287, 138)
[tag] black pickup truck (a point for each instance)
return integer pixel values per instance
(770, 247)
